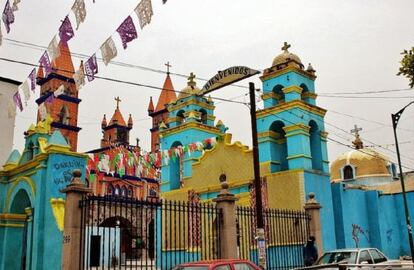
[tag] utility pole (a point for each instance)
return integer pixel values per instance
(260, 235)
(395, 119)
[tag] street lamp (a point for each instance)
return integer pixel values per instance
(395, 119)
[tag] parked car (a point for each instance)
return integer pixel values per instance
(360, 256)
(232, 264)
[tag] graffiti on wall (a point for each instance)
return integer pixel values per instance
(357, 231)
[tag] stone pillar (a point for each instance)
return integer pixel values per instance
(71, 254)
(312, 208)
(228, 230)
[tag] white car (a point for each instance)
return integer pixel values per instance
(359, 256)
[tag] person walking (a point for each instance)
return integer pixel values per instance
(310, 252)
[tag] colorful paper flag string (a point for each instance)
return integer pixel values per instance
(8, 16)
(144, 12)
(66, 30)
(45, 63)
(32, 78)
(108, 50)
(79, 10)
(91, 68)
(127, 31)
(18, 101)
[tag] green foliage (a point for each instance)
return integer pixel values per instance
(407, 66)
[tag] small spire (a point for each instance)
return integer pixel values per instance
(130, 122)
(209, 99)
(150, 106)
(310, 69)
(219, 123)
(104, 123)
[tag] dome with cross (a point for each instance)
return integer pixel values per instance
(285, 57)
(190, 89)
(362, 164)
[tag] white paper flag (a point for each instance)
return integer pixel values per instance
(79, 77)
(59, 91)
(15, 3)
(24, 87)
(79, 10)
(11, 110)
(108, 50)
(53, 48)
(42, 111)
(144, 12)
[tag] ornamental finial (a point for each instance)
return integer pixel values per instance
(286, 46)
(191, 81)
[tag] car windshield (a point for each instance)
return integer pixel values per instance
(338, 257)
(201, 267)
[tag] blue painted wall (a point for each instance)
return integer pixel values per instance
(377, 220)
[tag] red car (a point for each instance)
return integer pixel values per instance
(230, 264)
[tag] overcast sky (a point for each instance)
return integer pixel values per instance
(353, 45)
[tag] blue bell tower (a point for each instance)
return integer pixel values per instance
(291, 132)
(191, 119)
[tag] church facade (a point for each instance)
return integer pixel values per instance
(292, 145)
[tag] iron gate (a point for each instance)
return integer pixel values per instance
(286, 233)
(126, 233)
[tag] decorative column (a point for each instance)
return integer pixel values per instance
(72, 247)
(299, 156)
(228, 230)
(312, 208)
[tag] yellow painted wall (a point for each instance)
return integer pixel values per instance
(286, 189)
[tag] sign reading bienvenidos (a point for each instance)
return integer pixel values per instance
(226, 77)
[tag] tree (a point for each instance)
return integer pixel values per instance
(407, 66)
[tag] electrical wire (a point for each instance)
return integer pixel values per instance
(338, 142)
(117, 80)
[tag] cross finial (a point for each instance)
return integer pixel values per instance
(356, 130)
(286, 46)
(191, 78)
(168, 67)
(117, 99)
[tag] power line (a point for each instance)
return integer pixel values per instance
(367, 120)
(367, 92)
(358, 97)
(329, 138)
(129, 65)
(117, 80)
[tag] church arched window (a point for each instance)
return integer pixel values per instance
(278, 147)
(123, 191)
(203, 117)
(110, 191)
(348, 172)
(180, 117)
(64, 116)
(315, 145)
(176, 166)
(280, 96)
(30, 151)
(130, 192)
(305, 90)
(117, 190)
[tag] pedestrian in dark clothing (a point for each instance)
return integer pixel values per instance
(310, 252)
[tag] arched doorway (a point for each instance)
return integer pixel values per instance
(18, 236)
(176, 168)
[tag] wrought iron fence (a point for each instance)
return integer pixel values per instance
(125, 233)
(286, 232)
